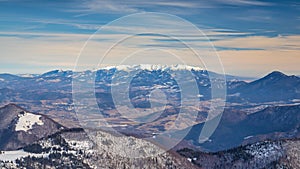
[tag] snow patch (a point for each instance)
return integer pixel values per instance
(54, 80)
(245, 138)
(17, 154)
(27, 120)
(235, 95)
(79, 145)
(27, 75)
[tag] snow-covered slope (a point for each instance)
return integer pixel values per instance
(27, 120)
(267, 154)
(73, 149)
(19, 128)
(18, 154)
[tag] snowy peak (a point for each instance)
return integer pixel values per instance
(19, 127)
(8, 114)
(150, 67)
(13, 116)
(57, 73)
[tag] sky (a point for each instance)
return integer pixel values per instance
(251, 37)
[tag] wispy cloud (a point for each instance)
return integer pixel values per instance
(59, 50)
(133, 6)
(255, 15)
(279, 43)
(246, 2)
(39, 23)
(107, 6)
(68, 22)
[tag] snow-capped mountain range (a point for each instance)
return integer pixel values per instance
(150, 67)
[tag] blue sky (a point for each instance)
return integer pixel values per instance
(252, 37)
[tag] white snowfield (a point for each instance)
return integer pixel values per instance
(27, 120)
(17, 154)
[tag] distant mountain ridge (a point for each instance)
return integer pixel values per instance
(275, 86)
(236, 127)
(53, 89)
(51, 93)
(68, 73)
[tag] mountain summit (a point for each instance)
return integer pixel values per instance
(274, 76)
(275, 86)
(19, 128)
